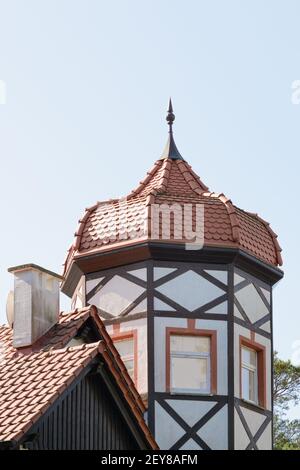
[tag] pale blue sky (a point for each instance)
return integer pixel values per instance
(87, 89)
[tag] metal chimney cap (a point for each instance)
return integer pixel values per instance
(32, 266)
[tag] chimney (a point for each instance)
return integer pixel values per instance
(36, 303)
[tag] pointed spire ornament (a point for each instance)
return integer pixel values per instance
(171, 151)
(170, 117)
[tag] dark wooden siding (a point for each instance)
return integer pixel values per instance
(85, 418)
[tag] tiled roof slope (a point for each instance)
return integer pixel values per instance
(32, 379)
(116, 223)
(59, 336)
(30, 383)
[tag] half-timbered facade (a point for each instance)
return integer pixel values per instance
(193, 326)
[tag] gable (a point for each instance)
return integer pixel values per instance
(85, 417)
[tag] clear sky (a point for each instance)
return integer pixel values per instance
(87, 85)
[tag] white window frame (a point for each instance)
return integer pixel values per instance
(250, 368)
(191, 355)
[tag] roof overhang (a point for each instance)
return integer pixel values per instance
(112, 258)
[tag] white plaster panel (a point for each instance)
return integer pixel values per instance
(237, 279)
(92, 283)
(266, 327)
(216, 440)
(139, 273)
(252, 303)
(222, 276)
(116, 295)
(265, 440)
(78, 302)
(253, 419)
(141, 307)
(221, 328)
(191, 410)
(167, 431)
(267, 294)
(190, 445)
(78, 299)
(241, 439)
(160, 305)
(237, 312)
(161, 272)
(190, 290)
(160, 325)
(221, 309)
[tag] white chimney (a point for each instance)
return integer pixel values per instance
(36, 303)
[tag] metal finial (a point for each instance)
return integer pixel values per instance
(170, 116)
(171, 151)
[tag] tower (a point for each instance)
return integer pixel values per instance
(183, 280)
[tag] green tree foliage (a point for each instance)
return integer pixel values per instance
(286, 394)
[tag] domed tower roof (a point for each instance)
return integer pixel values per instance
(171, 182)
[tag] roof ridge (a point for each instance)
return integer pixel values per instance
(191, 177)
(78, 347)
(164, 178)
(65, 313)
(143, 183)
(234, 222)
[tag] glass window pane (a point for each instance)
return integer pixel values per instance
(125, 347)
(189, 373)
(252, 385)
(245, 384)
(249, 356)
(185, 343)
(249, 385)
(245, 355)
(253, 355)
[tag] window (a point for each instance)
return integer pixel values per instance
(190, 363)
(252, 371)
(125, 346)
(249, 375)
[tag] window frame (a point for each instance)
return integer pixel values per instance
(251, 369)
(212, 335)
(260, 370)
(125, 335)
